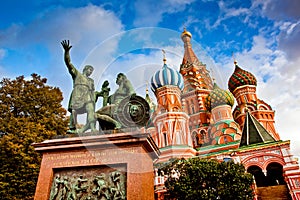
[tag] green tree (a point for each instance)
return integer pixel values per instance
(197, 178)
(30, 111)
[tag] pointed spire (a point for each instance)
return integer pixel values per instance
(213, 76)
(147, 97)
(234, 59)
(164, 56)
(190, 64)
(147, 91)
(254, 132)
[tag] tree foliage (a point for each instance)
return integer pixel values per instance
(197, 178)
(30, 111)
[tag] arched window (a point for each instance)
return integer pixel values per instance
(297, 183)
(195, 139)
(193, 109)
(260, 178)
(165, 139)
(275, 174)
(219, 115)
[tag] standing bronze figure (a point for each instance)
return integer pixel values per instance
(82, 98)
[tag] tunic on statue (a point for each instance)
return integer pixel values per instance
(83, 91)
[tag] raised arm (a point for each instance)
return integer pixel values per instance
(66, 45)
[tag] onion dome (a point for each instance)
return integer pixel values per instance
(185, 33)
(240, 77)
(218, 97)
(166, 76)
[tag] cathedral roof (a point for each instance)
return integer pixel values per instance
(166, 76)
(192, 69)
(240, 77)
(218, 97)
(254, 132)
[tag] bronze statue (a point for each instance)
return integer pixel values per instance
(125, 89)
(125, 108)
(121, 109)
(107, 113)
(82, 99)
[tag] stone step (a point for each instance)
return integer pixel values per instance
(278, 192)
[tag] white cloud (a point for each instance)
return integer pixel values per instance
(226, 12)
(278, 84)
(150, 14)
(285, 14)
(85, 27)
(279, 9)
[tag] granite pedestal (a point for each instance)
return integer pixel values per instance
(115, 166)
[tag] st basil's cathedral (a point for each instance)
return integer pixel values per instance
(194, 117)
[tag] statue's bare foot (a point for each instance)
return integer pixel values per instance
(71, 131)
(79, 131)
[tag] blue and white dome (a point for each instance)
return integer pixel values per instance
(166, 76)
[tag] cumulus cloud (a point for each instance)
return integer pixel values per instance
(277, 83)
(137, 49)
(286, 15)
(86, 27)
(280, 9)
(289, 40)
(150, 14)
(227, 12)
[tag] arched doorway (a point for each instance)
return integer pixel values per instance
(275, 174)
(260, 178)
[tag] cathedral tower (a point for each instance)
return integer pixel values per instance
(197, 85)
(242, 84)
(172, 131)
(223, 129)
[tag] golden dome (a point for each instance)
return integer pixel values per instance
(186, 33)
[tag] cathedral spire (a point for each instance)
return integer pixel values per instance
(164, 56)
(197, 74)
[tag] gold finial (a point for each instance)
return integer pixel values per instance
(147, 91)
(234, 60)
(246, 108)
(213, 75)
(185, 33)
(213, 79)
(164, 56)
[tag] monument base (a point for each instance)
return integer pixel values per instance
(113, 166)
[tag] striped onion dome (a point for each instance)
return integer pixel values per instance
(240, 77)
(166, 76)
(218, 97)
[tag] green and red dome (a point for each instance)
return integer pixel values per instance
(239, 78)
(218, 97)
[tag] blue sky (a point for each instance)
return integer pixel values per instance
(127, 36)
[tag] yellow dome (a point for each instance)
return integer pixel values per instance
(185, 32)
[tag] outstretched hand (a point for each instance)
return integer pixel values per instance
(66, 45)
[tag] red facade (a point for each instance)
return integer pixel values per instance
(198, 120)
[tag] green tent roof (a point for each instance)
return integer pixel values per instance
(254, 132)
